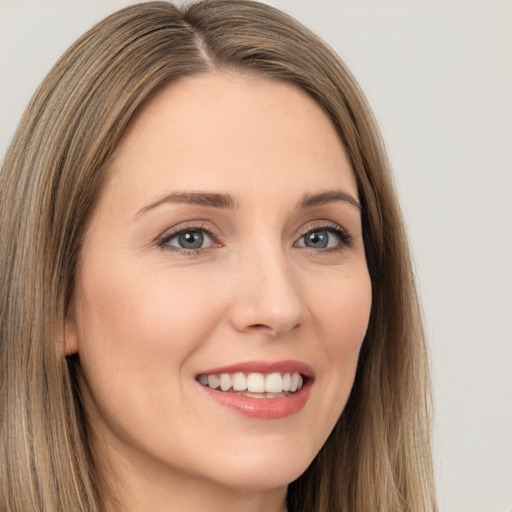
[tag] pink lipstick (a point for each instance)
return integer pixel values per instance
(260, 389)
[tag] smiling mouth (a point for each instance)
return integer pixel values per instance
(254, 384)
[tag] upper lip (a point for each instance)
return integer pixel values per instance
(284, 366)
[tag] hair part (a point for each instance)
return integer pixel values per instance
(378, 455)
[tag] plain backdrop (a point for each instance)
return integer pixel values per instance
(438, 74)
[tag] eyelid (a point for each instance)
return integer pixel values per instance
(203, 226)
(344, 235)
(346, 238)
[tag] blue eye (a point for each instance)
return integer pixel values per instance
(188, 239)
(325, 238)
(317, 239)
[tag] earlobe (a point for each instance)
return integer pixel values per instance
(70, 331)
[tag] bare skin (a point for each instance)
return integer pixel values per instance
(227, 231)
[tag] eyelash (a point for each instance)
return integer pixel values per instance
(346, 239)
(168, 236)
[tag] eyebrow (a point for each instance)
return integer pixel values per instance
(226, 201)
(329, 196)
(210, 199)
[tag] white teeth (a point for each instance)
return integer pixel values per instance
(239, 381)
(273, 383)
(286, 382)
(213, 381)
(225, 382)
(294, 382)
(256, 385)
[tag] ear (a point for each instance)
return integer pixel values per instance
(71, 330)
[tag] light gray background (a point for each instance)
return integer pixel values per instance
(439, 75)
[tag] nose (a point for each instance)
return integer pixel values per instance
(267, 299)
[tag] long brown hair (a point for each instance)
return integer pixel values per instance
(378, 455)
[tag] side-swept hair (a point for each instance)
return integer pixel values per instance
(378, 455)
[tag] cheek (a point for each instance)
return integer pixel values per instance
(138, 330)
(136, 334)
(344, 311)
(145, 309)
(340, 306)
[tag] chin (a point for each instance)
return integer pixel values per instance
(262, 472)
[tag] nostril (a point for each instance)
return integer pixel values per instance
(274, 329)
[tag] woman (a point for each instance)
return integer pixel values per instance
(207, 296)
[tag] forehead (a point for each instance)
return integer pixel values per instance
(227, 130)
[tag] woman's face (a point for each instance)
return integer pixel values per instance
(224, 249)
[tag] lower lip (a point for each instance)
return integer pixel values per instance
(262, 408)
